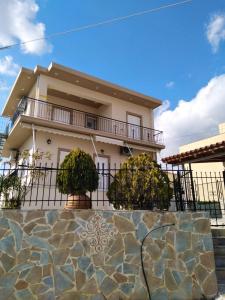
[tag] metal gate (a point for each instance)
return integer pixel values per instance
(201, 191)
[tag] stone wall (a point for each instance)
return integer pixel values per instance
(95, 255)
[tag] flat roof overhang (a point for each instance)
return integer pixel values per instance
(21, 87)
(27, 77)
(212, 153)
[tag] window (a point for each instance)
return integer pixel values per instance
(134, 129)
(91, 122)
(61, 115)
(61, 155)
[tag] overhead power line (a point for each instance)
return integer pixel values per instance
(94, 25)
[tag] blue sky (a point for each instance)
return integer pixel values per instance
(165, 54)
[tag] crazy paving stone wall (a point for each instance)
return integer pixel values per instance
(95, 255)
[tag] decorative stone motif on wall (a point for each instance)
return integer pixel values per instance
(98, 233)
(44, 256)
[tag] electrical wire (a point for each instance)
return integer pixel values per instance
(94, 25)
(142, 261)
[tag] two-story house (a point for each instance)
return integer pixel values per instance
(57, 109)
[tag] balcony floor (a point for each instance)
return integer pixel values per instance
(22, 129)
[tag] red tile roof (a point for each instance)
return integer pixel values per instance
(212, 153)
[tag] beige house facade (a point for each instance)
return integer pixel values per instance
(57, 109)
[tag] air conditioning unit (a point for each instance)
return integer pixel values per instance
(126, 151)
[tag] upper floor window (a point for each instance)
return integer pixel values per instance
(61, 115)
(91, 122)
(134, 126)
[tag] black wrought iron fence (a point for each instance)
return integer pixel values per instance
(26, 187)
(203, 191)
(36, 186)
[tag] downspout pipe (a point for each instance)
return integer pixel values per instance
(142, 256)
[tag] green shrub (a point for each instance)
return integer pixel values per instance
(12, 191)
(140, 184)
(77, 174)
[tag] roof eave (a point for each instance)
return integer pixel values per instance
(18, 78)
(154, 101)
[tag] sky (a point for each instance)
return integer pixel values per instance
(175, 54)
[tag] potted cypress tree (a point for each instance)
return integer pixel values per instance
(77, 176)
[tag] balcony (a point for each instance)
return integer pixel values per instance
(87, 123)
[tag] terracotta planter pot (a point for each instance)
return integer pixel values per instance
(78, 202)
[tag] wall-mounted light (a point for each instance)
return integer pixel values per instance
(102, 151)
(49, 141)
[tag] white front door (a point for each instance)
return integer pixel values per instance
(134, 129)
(61, 156)
(102, 164)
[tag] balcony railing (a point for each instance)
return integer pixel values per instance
(80, 119)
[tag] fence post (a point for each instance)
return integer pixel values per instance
(180, 191)
(193, 189)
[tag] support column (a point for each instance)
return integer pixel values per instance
(41, 88)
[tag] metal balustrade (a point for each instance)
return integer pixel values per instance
(80, 119)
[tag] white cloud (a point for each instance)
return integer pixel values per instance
(170, 84)
(8, 67)
(194, 119)
(164, 107)
(215, 31)
(17, 24)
